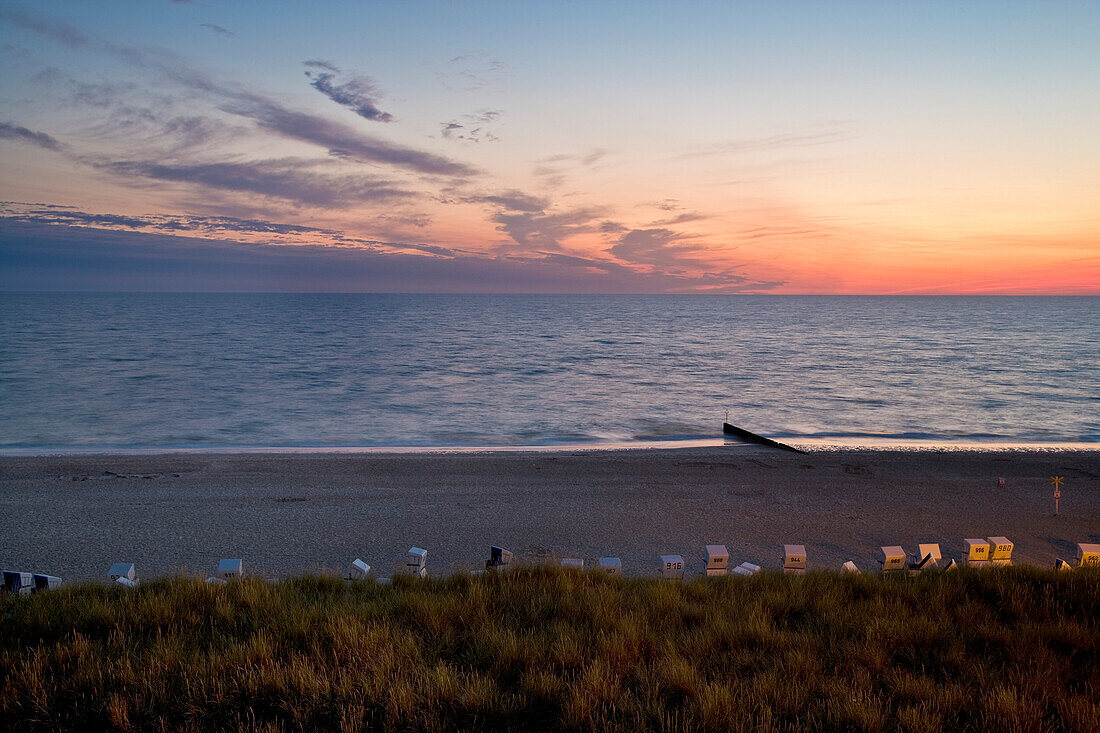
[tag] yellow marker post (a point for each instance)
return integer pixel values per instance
(1056, 482)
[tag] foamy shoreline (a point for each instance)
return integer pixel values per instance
(809, 445)
(286, 513)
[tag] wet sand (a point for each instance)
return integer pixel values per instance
(291, 513)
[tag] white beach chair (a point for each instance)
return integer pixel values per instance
(230, 569)
(122, 570)
(417, 556)
(850, 567)
(214, 580)
(794, 559)
(927, 557)
(745, 569)
(893, 558)
(611, 565)
(44, 582)
(670, 567)
(416, 563)
(358, 570)
(499, 559)
(716, 560)
(125, 582)
(17, 582)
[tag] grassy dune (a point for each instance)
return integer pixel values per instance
(1007, 649)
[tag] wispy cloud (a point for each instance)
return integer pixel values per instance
(685, 218)
(473, 128)
(553, 170)
(41, 139)
(470, 72)
(218, 29)
(336, 137)
(511, 201)
(288, 179)
(355, 91)
(829, 133)
(29, 213)
(58, 30)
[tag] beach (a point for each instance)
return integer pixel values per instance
(292, 513)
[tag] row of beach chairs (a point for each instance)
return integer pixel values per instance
(989, 552)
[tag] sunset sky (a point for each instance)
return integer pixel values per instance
(546, 147)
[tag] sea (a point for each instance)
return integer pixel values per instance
(210, 372)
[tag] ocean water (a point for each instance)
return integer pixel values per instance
(224, 370)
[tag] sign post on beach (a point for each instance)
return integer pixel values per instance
(1056, 481)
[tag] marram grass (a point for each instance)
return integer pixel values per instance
(996, 650)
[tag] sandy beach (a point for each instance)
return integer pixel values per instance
(292, 513)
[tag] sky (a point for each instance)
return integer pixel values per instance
(551, 147)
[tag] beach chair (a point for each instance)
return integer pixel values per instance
(893, 558)
(44, 582)
(18, 583)
(794, 559)
(611, 565)
(746, 569)
(850, 567)
(215, 580)
(416, 562)
(951, 565)
(975, 553)
(927, 557)
(1088, 555)
(670, 567)
(125, 582)
(230, 569)
(572, 563)
(1000, 551)
(122, 570)
(499, 559)
(1060, 564)
(358, 570)
(716, 560)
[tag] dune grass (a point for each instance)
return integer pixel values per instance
(1005, 649)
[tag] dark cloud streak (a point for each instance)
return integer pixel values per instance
(287, 180)
(358, 93)
(338, 138)
(41, 139)
(218, 29)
